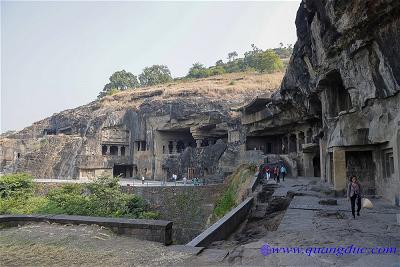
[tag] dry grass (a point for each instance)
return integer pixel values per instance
(41, 244)
(231, 86)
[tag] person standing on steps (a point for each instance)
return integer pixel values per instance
(267, 172)
(354, 192)
(283, 172)
(277, 174)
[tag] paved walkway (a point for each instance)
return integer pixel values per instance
(122, 182)
(310, 226)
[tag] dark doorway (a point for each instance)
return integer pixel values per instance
(104, 150)
(180, 146)
(123, 171)
(114, 150)
(293, 143)
(317, 166)
(361, 164)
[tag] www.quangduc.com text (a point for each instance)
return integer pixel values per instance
(338, 251)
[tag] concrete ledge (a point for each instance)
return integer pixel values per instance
(152, 230)
(224, 226)
(255, 181)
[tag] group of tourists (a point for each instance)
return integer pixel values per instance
(275, 172)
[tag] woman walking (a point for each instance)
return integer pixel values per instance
(354, 194)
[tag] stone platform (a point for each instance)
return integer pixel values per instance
(308, 224)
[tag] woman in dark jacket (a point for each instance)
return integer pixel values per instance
(354, 193)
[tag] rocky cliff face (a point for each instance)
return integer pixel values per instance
(344, 65)
(144, 126)
(344, 72)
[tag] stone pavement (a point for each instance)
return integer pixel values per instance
(308, 224)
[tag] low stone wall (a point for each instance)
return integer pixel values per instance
(227, 224)
(223, 227)
(151, 230)
(189, 207)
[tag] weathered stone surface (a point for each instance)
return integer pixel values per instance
(343, 81)
(328, 202)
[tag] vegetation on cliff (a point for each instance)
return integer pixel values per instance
(236, 189)
(100, 198)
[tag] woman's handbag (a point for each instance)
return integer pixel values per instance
(366, 203)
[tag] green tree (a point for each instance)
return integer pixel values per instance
(219, 63)
(198, 70)
(249, 60)
(232, 55)
(216, 70)
(283, 51)
(267, 61)
(155, 74)
(120, 80)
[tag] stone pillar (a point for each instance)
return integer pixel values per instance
(174, 147)
(288, 146)
(198, 143)
(108, 150)
(119, 151)
(308, 164)
(339, 169)
(296, 143)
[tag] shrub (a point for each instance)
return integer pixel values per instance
(69, 199)
(100, 198)
(16, 185)
(18, 205)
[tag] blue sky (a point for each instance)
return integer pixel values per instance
(59, 55)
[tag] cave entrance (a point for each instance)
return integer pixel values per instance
(123, 171)
(267, 144)
(292, 143)
(337, 98)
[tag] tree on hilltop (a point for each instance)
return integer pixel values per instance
(198, 70)
(119, 81)
(155, 74)
(232, 56)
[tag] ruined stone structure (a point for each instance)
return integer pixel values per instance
(337, 113)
